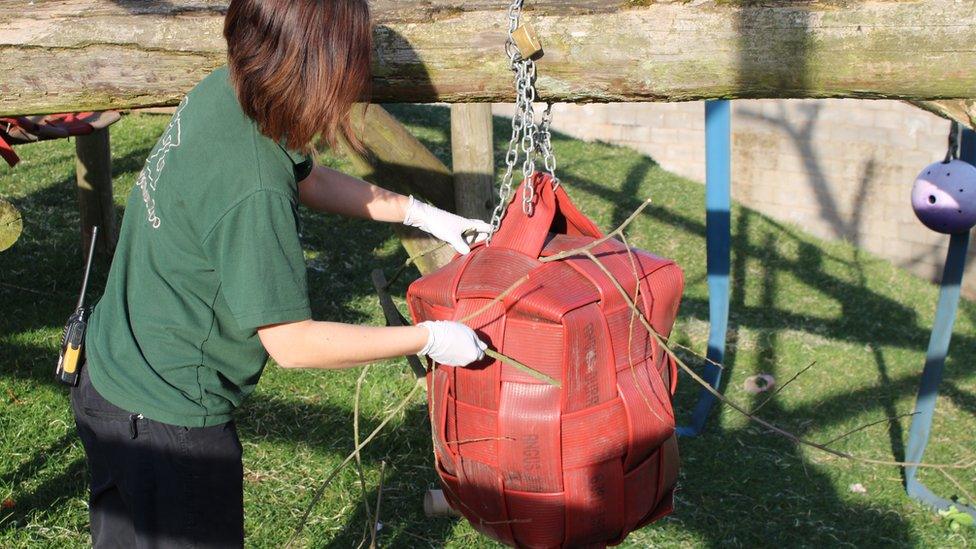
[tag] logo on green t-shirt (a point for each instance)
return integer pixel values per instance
(149, 176)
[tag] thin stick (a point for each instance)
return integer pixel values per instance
(24, 289)
(745, 412)
(969, 497)
(527, 369)
(497, 298)
(863, 427)
(698, 355)
(421, 538)
(325, 484)
(581, 250)
(379, 500)
(355, 442)
(586, 251)
(482, 439)
(630, 334)
(409, 261)
(783, 386)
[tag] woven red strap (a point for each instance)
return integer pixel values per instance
(73, 123)
(553, 212)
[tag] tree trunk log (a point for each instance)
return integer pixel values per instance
(93, 167)
(396, 160)
(472, 159)
(11, 224)
(70, 55)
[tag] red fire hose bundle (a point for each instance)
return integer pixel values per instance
(27, 129)
(528, 462)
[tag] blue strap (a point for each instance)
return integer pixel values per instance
(718, 237)
(928, 389)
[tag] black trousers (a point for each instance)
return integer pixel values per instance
(158, 485)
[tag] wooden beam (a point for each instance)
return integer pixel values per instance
(68, 55)
(11, 224)
(93, 175)
(960, 110)
(473, 159)
(396, 160)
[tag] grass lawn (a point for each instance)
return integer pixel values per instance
(796, 299)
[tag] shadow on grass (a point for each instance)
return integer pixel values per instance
(760, 490)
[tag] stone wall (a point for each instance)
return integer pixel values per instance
(839, 168)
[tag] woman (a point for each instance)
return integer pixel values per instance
(209, 276)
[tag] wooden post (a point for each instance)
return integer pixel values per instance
(11, 224)
(472, 153)
(396, 160)
(93, 166)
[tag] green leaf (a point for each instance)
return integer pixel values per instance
(957, 518)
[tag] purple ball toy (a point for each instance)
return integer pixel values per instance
(944, 196)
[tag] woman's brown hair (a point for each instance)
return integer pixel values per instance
(298, 66)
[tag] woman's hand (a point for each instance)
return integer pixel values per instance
(452, 343)
(445, 225)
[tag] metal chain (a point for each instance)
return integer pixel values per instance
(528, 138)
(545, 144)
(529, 130)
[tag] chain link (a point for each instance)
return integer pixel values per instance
(545, 143)
(528, 138)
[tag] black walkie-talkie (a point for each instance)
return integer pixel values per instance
(73, 337)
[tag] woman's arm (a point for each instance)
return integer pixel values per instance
(331, 191)
(314, 344)
(327, 190)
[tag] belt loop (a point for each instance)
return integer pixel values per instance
(133, 420)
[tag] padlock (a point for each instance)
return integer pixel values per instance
(527, 42)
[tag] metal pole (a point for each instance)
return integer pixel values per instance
(718, 237)
(928, 389)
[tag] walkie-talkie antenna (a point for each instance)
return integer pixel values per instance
(91, 254)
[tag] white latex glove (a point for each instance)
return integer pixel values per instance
(452, 343)
(444, 225)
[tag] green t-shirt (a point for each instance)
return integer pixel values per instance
(208, 252)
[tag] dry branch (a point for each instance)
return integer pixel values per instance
(335, 471)
(355, 442)
(379, 501)
(742, 410)
(585, 251)
(799, 372)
